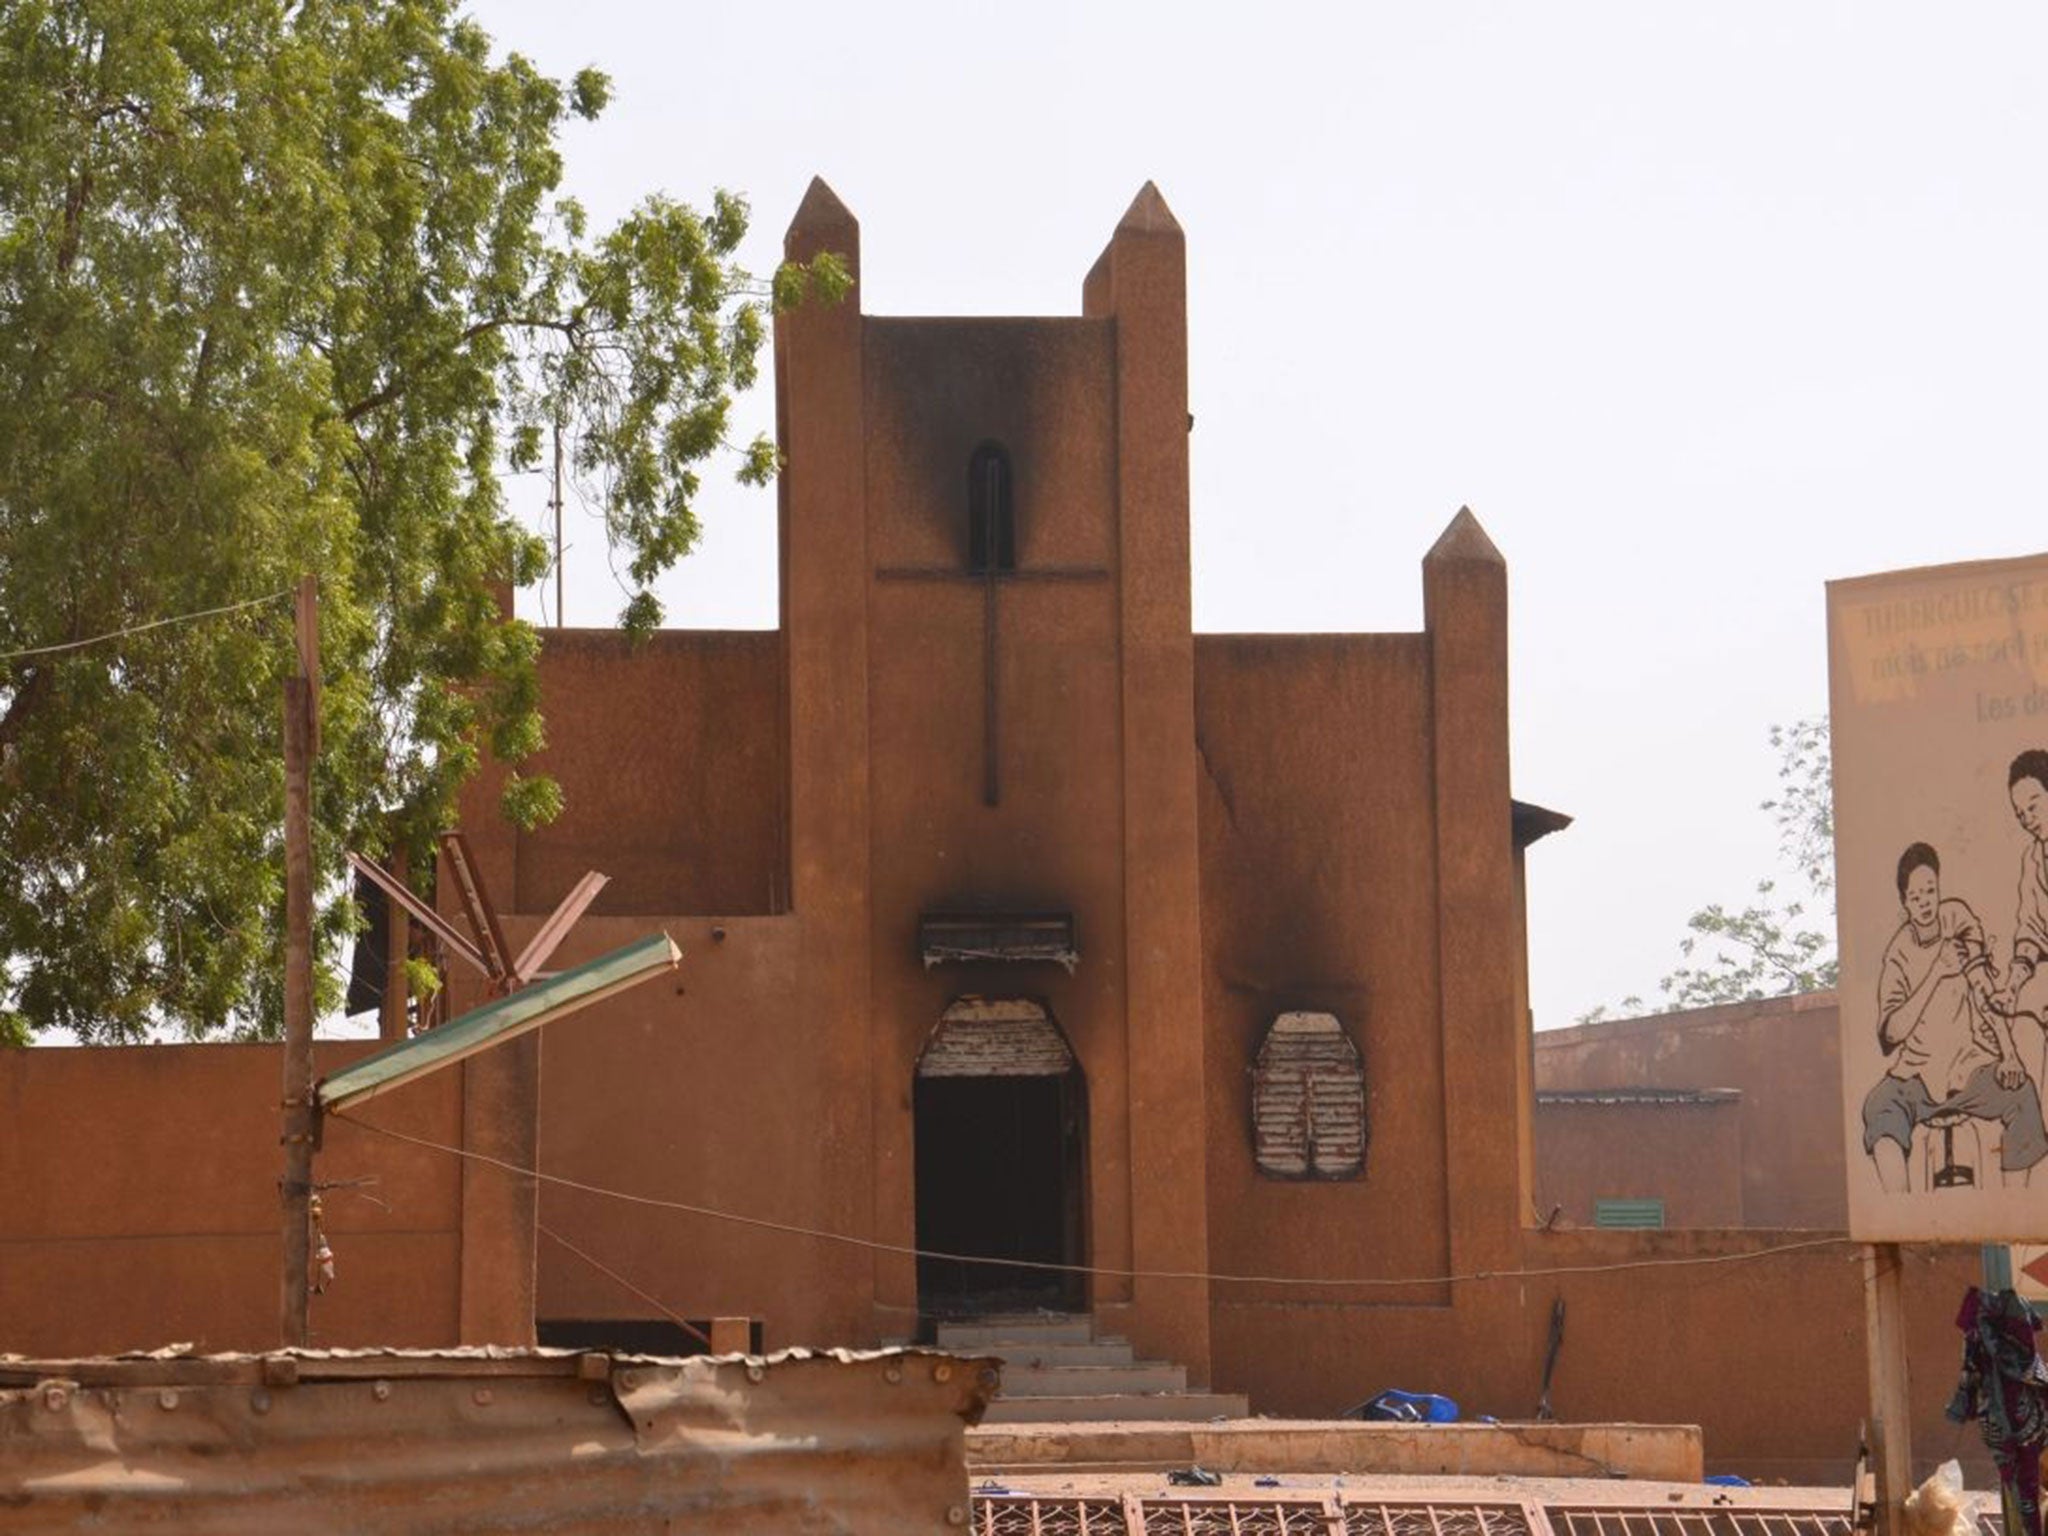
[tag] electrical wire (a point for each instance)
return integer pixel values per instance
(136, 629)
(612, 1274)
(905, 1250)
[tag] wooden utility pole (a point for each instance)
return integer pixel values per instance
(301, 746)
(1890, 1427)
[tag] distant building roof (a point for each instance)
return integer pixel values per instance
(1808, 1007)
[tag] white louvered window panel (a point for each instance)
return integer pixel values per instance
(999, 1037)
(1308, 1100)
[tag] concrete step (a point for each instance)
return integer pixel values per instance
(1093, 1380)
(1320, 1448)
(1026, 1356)
(1151, 1407)
(1034, 1328)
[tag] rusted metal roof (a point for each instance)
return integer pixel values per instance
(998, 1037)
(557, 1440)
(1308, 1100)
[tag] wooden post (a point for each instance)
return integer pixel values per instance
(397, 944)
(732, 1335)
(301, 743)
(1891, 1426)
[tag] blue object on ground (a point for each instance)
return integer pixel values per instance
(1396, 1406)
(1728, 1480)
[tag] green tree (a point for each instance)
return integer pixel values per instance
(283, 287)
(1770, 946)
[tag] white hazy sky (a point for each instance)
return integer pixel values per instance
(1695, 306)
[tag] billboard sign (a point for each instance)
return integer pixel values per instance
(1938, 687)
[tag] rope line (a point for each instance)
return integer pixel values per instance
(612, 1274)
(136, 629)
(905, 1250)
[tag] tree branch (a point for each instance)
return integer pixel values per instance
(571, 327)
(31, 692)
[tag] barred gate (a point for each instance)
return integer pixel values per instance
(1300, 1513)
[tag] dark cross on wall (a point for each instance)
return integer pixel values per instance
(991, 565)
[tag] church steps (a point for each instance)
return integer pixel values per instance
(1142, 1378)
(1055, 1370)
(1016, 1356)
(1026, 1329)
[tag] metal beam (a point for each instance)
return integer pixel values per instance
(556, 928)
(476, 903)
(501, 1020)
(422, 914)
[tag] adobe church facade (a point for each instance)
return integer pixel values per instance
(1019, 920)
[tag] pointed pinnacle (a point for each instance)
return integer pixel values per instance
(1464, 540)
(821, 212)
(1148, 214)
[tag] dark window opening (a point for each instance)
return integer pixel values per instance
(632, 1335)
(991, 519)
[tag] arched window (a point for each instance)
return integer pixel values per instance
(1001, 1037)
(1308, 1101)
(991, 520)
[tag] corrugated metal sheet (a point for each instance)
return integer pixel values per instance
(1000, 1038)
(1308, 1100)
(560, 1441)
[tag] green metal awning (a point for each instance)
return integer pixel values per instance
(508, 1017)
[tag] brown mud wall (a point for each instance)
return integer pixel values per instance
(139, 1208)
(670, 761)
(1687, 1155)
(1766, 1355)
(1782, 1054)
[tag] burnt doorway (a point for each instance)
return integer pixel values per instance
(1000, 1125)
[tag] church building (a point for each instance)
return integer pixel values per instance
(1039, 956)
(1021, 922)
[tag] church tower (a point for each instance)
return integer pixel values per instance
(993, 843)
(1040, 954)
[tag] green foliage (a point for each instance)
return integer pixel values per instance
(1770, 946)
(286, 288)
(1805, 807)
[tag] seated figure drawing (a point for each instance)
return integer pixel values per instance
(1948, 1040)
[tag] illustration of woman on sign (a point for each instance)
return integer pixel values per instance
(1942, 1021)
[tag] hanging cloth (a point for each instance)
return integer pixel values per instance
(2005, 1385)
